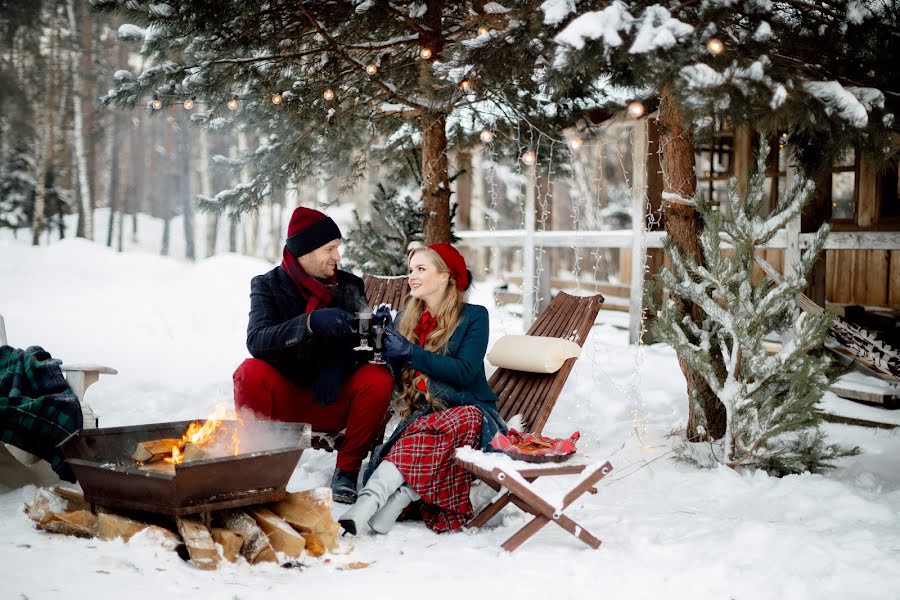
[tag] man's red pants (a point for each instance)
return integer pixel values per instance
(361, 407)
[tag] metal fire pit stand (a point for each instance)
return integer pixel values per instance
(102, 463)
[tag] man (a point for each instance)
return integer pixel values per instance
(301, 338)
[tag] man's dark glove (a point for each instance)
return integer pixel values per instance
(327, 385)
(383, 317)
(396, 347)
(333, 322)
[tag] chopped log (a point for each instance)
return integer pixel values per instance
(80, 523)
(161, 535)
(111, 526)
(200, 545)
(193, 452)
(44, 504)
(230, 541)
(310, 512)
(314, 546)
(281, 536)
(76, 499)
(256, 547)
(154, 450)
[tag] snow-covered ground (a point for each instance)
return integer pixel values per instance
(175, 332)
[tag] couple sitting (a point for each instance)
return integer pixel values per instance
(304, 368)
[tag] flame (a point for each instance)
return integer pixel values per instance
(205, 435)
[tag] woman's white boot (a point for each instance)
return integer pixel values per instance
(385, 480)
(386, 517)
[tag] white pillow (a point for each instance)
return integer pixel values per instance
(532, 353)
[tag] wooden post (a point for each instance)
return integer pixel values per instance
(638, 248)
(792, 251)
(528, 272)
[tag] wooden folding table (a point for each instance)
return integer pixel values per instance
(516, 478)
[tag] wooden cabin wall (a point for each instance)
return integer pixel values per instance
(866, 277)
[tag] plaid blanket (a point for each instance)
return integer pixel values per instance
(37, 408)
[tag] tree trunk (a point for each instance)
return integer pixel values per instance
(87, 100)
(43, 151)
(164, 244)
(113, 183)
(78, 125)
(435, 178)
(187, 204)
(683, 227)
(212, 218)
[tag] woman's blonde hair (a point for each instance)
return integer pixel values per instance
(447, 317)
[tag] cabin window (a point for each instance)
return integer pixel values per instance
(844, 177)
(715, 166)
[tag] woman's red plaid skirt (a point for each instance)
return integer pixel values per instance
(424, 454)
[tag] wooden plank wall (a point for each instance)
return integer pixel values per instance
(866, 277)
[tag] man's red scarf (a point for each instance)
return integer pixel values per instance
(316, 293)
(423, 329)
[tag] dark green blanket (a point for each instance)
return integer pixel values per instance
(37, 408)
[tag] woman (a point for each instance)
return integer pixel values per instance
(443, 399)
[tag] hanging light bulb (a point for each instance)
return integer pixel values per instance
(487, 136)
(465, 85)
(483, 30)
(715, 46)
(576, 142)
(189, 103)
(232, 104)
(157, 103)
(636, 109)
(425, 52)
(529, 157)
(277, 98)
(372, 69)
(328, 94)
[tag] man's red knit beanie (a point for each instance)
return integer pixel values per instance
(309, 229)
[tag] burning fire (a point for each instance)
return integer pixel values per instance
(206, 435)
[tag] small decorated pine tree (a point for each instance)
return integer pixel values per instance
(772, 422)
(379, 245)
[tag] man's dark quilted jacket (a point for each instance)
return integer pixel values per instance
(277, 330)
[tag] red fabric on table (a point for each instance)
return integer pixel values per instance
(361, 407)
(424, 454)
(534, 444)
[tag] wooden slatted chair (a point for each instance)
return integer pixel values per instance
(533, 395)
(386, 290)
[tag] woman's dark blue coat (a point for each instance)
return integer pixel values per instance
(456, 377)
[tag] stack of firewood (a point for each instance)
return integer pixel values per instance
(301, 523)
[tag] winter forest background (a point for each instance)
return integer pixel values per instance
(60, 62)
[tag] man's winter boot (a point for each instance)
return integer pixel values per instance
(386, 517)
(343, 486)
(383, 482)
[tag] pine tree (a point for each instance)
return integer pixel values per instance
(380, 244)
(321, 83)
(771, 417)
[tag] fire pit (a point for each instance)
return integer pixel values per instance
(258, 473)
